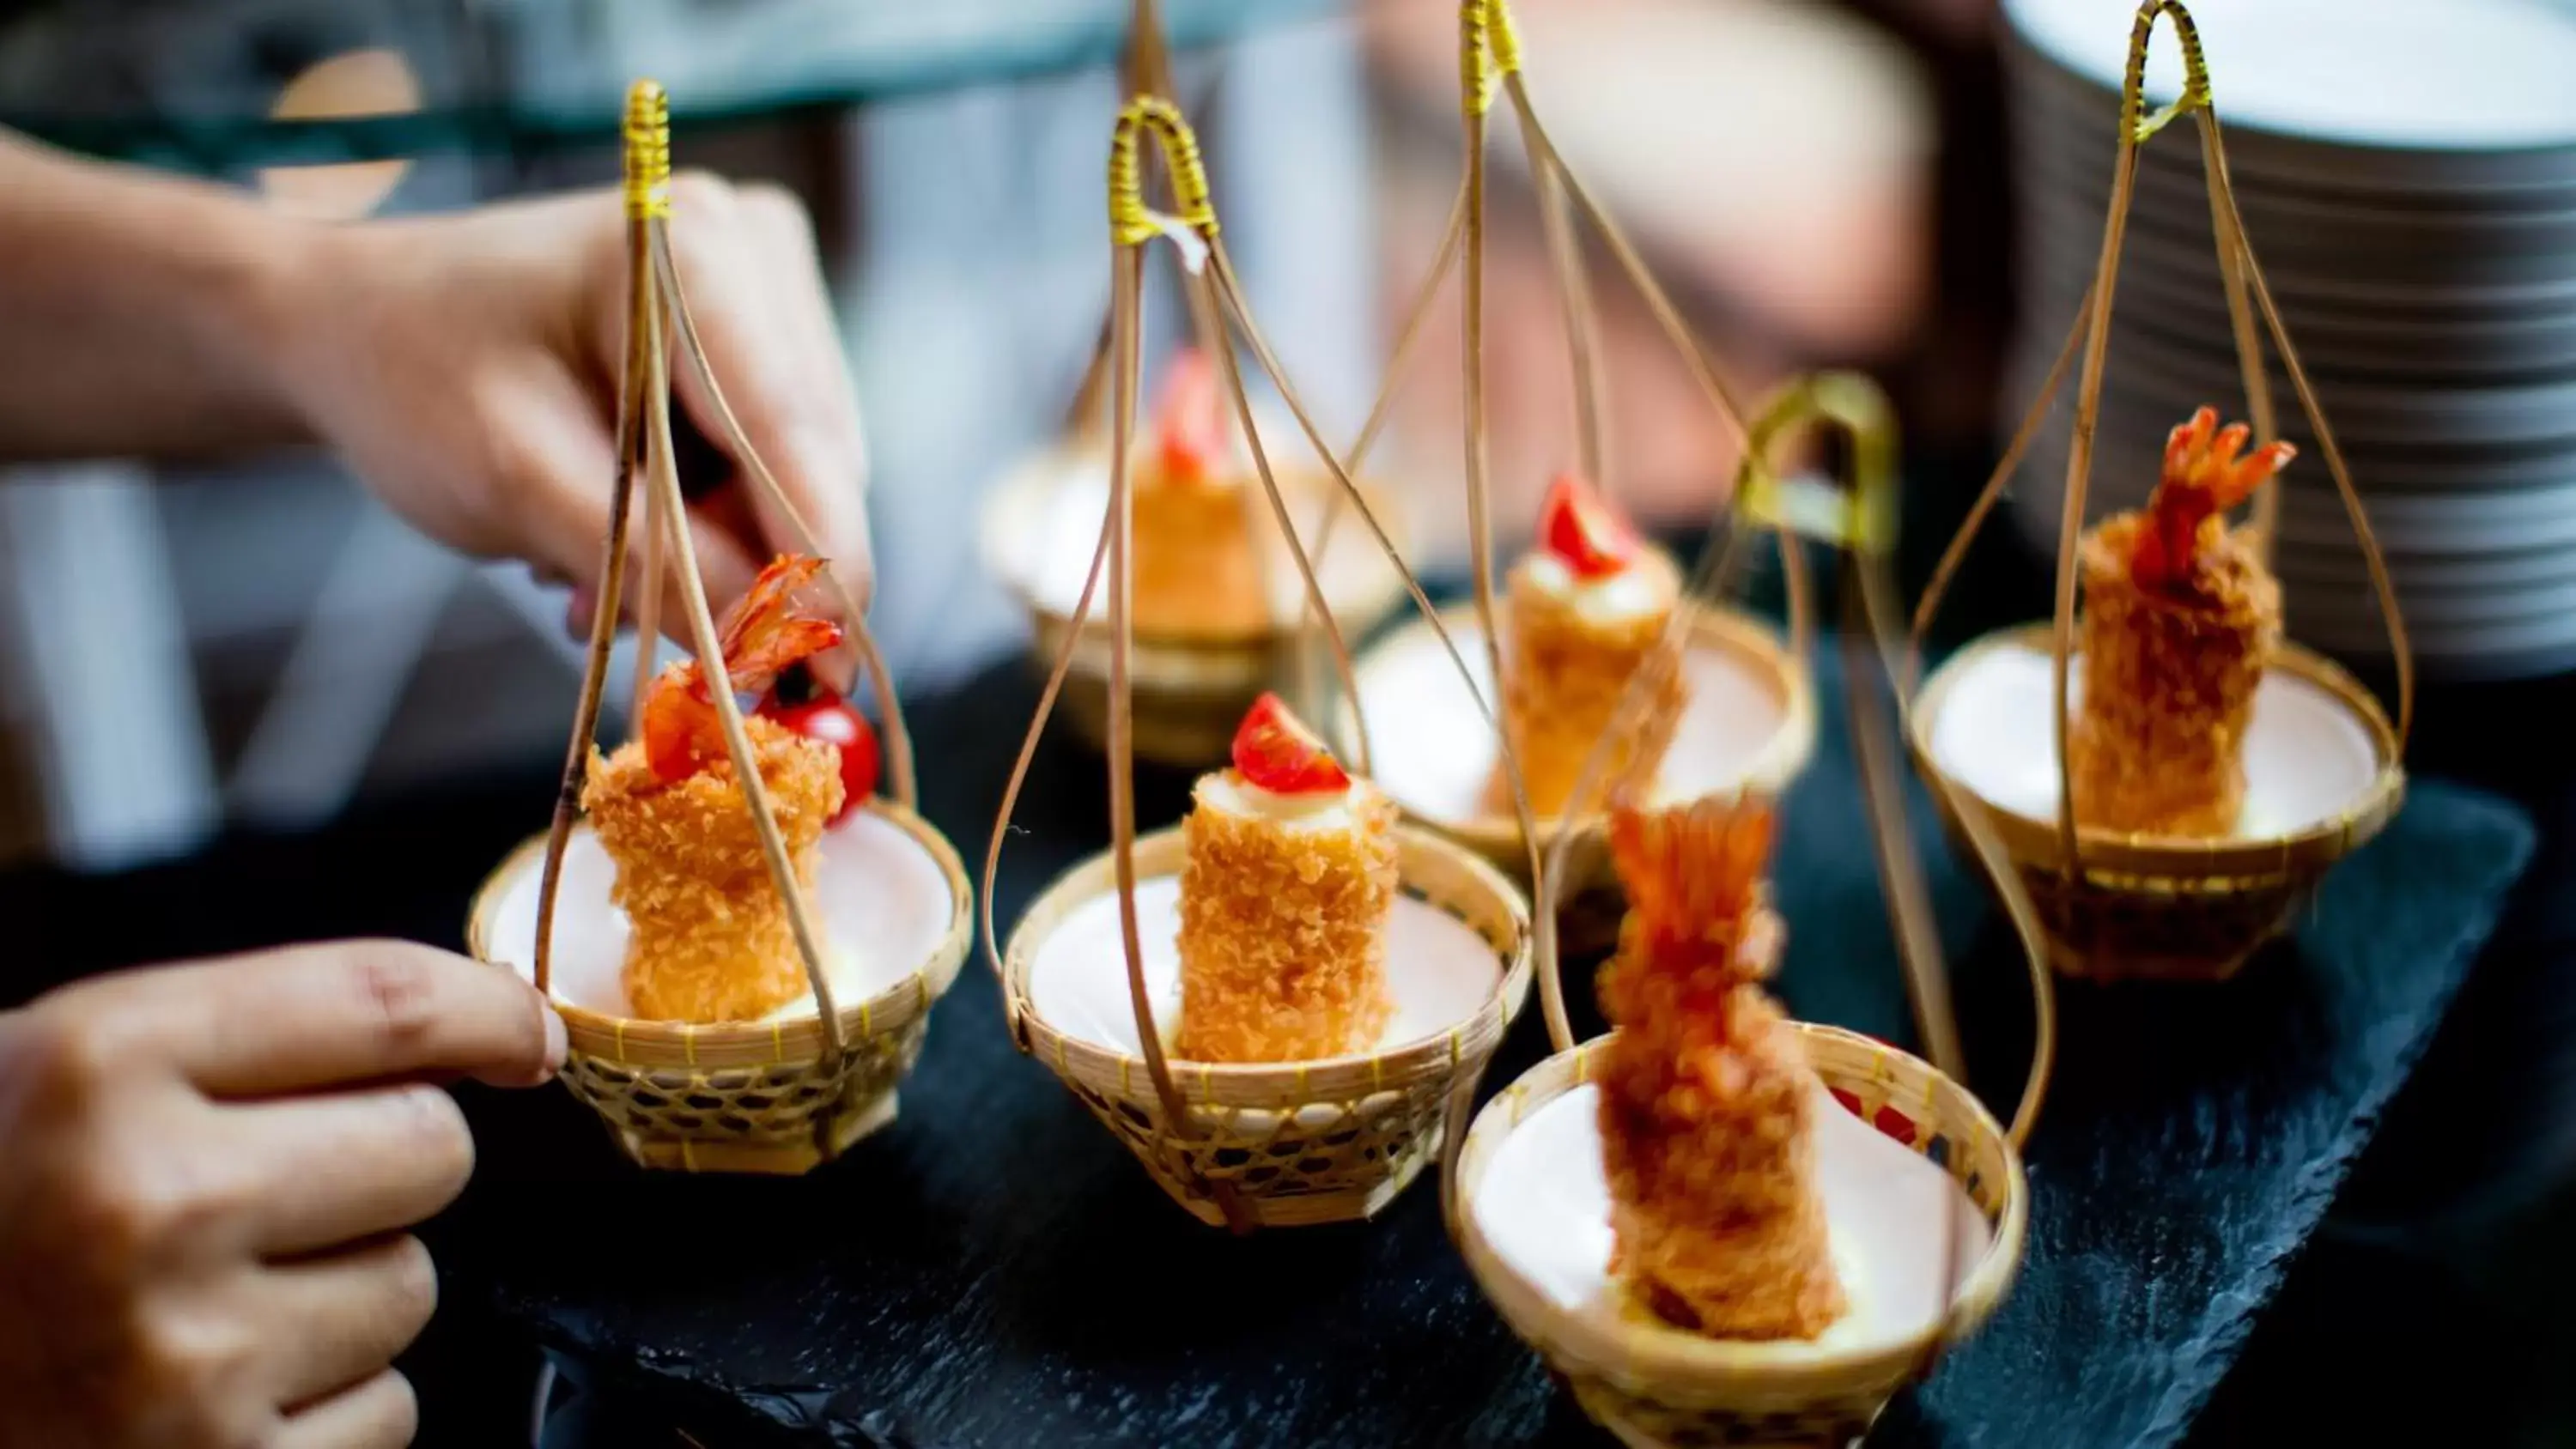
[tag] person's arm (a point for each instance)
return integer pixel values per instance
(465, 365)
(134, 311)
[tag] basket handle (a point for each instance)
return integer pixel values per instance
(1862, 527)
(1132, 226)
(644, 435)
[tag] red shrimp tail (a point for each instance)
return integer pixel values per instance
(770, 629)
(763, 634)
(2204, 476)
(1694, 872)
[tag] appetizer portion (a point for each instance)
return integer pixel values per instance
(709, 935)
(1707, 1100)
(1196, 571)
(1286, 891)
(2180, 617)
(1586, 608)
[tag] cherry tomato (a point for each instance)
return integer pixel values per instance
(823, 715)
(1276, 752)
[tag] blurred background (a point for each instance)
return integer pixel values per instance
(1820, 182)
(293, 649)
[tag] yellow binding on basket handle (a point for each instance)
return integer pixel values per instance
(2248, 293)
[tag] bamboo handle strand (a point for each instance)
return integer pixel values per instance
(647, 113)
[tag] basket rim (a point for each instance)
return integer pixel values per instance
(1786, 755)
(2113, 857)
(639, 1041)
(1023, 480)
(1633, 1350)
(1273, 1086)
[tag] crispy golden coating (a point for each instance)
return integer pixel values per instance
(1197, 574)
(1706, 1096)
(1283, 933)
(2158, 742)
(1564, 678)
(710, 936)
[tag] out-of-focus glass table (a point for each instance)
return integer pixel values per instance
(968, 274)
(190, 84)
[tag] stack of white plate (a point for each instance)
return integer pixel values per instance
(2407, 174)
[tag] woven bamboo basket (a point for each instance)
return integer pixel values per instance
(1294, 1143)
(2171, 908)
(757, 1097)
(1188, 692)
(776, 1096)
(1654, 1386)
(2122, 905)
(1589, 895)
(1245, 1145)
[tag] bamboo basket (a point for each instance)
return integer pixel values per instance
(1247, 1145)
(2118, 904)
(1654, 1385)
(2173, 908)
(1185, 692)
(1188, 692)
(742, 1097)
(1651, 1386)
(1307, 1142)
(762, 1097)
(1589, 892)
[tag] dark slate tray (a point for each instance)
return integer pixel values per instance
(996, 1271)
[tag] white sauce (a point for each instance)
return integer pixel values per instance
(1633, 593)
(1319, 812)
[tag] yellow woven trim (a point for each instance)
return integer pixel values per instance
(1207, 1082)
(1131, 222)
(1302, 1093)
(1377, 1074)
(648, 152)
(689, 1044)
(619, 1043)
(1489, 49)
(867, 1020)
(2195, 71)
(688, 1155)
(1454, 1051)
(1124, 1089)
(777, 1042)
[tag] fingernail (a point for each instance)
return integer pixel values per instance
(558, 1043)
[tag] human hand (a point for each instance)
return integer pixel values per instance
(209, 1170)
(468, 368)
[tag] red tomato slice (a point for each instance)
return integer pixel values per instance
(1190, 424)
(1276, 752)
(1580, 527)
(829, 718)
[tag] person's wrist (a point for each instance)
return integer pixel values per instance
(265, 312)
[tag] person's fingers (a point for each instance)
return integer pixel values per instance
(838, 513)
(353, 1164)
(378, 1414)
(797, 417)
(725, 569)
(562, 465)
(317, 1016)
(334, 1323)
